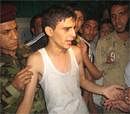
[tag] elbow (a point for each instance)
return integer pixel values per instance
(97, 75)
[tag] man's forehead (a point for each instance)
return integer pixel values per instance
(8, 25)
(91, 22)
(67, 22)
(118, 8)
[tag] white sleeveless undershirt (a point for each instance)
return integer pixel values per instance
(62, 90)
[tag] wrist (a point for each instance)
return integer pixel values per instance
(102, 91)
(15, 86)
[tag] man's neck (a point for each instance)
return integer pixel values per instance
(55, 51)
(123, 36)
(8, 52)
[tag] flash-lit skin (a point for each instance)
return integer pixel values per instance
(119, 17)
(90, 29)
(79, 20)
(8, 37)
(63, 34)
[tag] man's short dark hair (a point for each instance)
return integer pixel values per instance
(121, 3)
(55, 14)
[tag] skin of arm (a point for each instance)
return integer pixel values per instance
(26, 104)
(110, 92)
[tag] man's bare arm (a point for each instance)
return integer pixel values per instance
(111, 92)
(27, 101)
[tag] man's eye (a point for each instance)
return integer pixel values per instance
(67, 29)
(5, 32)
(122, 13)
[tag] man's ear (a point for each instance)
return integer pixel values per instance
(49, 31)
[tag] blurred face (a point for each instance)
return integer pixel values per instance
(119, 16)
(90, 30)
(105, 29)
(8, 35)
(79, 20)
(63, 34)
(38, 26)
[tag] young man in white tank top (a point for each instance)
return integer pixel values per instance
(59, 69)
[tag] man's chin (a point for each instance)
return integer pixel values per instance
(118, 30)
(13, 48)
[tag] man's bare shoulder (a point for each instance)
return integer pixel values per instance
(77, 52)
(35, 60)
(35, 56)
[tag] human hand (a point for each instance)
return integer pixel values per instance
(113, 92)
(83, 47)
(22, 78)
(117, 104)
(127, 95)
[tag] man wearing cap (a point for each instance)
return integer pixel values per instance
(12, 59)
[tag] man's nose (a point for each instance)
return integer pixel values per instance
(14, 34)
(117, 19)
(73, 33)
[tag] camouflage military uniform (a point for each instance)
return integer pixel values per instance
(10, 97)
(119, 51)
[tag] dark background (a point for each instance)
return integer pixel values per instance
(29, 8)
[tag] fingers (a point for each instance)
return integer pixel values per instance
(27, 81)
(24, 70)
(22, 78)
(25, 75)
(119, 87)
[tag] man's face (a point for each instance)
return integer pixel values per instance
(119, 16)
(64, 33)
(8, 35)
(90, 29)
(79, 20)
(105, 29)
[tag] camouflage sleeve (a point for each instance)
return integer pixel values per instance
(9, 96)
(39, 105)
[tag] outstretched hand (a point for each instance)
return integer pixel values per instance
(117, 104)
(113, 92)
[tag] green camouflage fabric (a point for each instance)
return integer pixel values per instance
(119, 50)
(10, 97)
